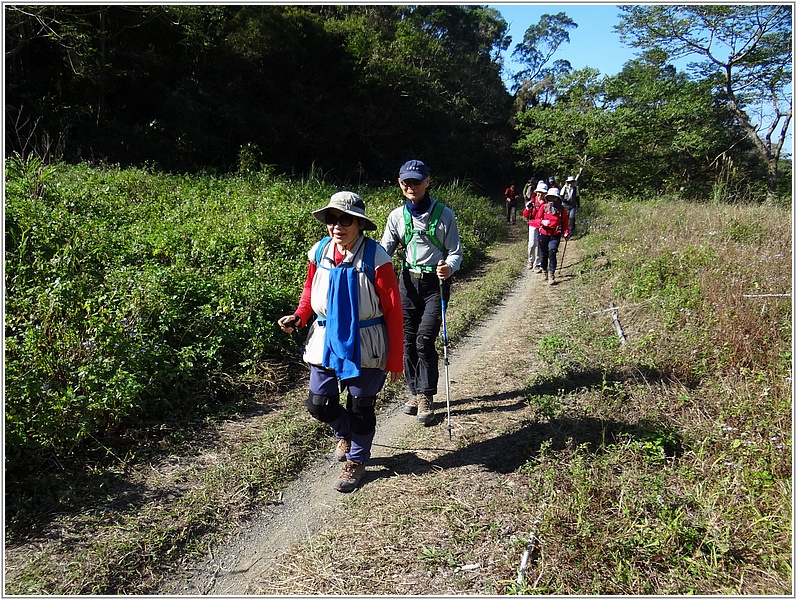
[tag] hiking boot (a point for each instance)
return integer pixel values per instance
(530, 266)
(538, 269)
(349, 477)
(545, 275)
(343, 447)
(553, 278)
(425, 409)
(411, 406)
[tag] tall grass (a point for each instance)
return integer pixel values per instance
(686, 488)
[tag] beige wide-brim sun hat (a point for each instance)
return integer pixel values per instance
(349, 203)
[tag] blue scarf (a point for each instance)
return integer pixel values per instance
(417, 210)
(342, 339)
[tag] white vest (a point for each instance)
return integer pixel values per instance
(373, 339)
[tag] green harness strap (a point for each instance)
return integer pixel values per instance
(411, 234)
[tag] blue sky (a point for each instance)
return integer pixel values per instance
(594, 43)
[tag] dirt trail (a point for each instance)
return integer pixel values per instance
(482, 367)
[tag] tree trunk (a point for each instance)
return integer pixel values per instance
(102, 66)
(772, 181)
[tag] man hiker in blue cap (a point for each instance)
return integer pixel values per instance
(431, 251)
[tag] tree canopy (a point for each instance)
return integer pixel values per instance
(349, 89)
(745, 50)
(653, 129)
(353, 91)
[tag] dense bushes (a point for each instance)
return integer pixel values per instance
(133, 295)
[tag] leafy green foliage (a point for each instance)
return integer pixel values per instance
(647, 129)
(534, 82)
(745, 52)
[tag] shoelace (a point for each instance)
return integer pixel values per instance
(350, 468)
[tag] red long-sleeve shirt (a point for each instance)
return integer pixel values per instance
(562, 223)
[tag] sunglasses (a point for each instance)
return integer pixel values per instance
(411, 182)
(344, 220)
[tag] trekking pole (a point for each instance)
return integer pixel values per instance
(445, 358)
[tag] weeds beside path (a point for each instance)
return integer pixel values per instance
(174, 497)
(661, 466)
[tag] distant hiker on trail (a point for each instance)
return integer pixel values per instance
(532, 207)
(426, 232)
(553, 224)
(528, 190)
(352, 288)
(511, 195)
(552, 182)
(571, 202)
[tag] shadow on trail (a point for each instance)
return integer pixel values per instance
(520, 395)
(507, 453)
(98, 479)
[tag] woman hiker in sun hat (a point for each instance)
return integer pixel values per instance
(426, 233)
(356, 339)
(552, 218)
(532, 206)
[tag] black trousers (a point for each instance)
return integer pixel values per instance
(423, 315)
(511, 212)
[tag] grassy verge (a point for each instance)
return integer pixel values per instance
(685, 487)
(662, 465)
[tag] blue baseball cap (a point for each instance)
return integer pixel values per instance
(413, 169)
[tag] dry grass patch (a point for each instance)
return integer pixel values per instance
(406, 537)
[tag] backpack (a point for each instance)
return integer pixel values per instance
(429, 232)
(369, 256)
(411, 233)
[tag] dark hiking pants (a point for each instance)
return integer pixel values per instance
(549, 245)
(420, 301)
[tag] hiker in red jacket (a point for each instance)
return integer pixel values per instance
(532, 206)
(511, 195)
(552, 218)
